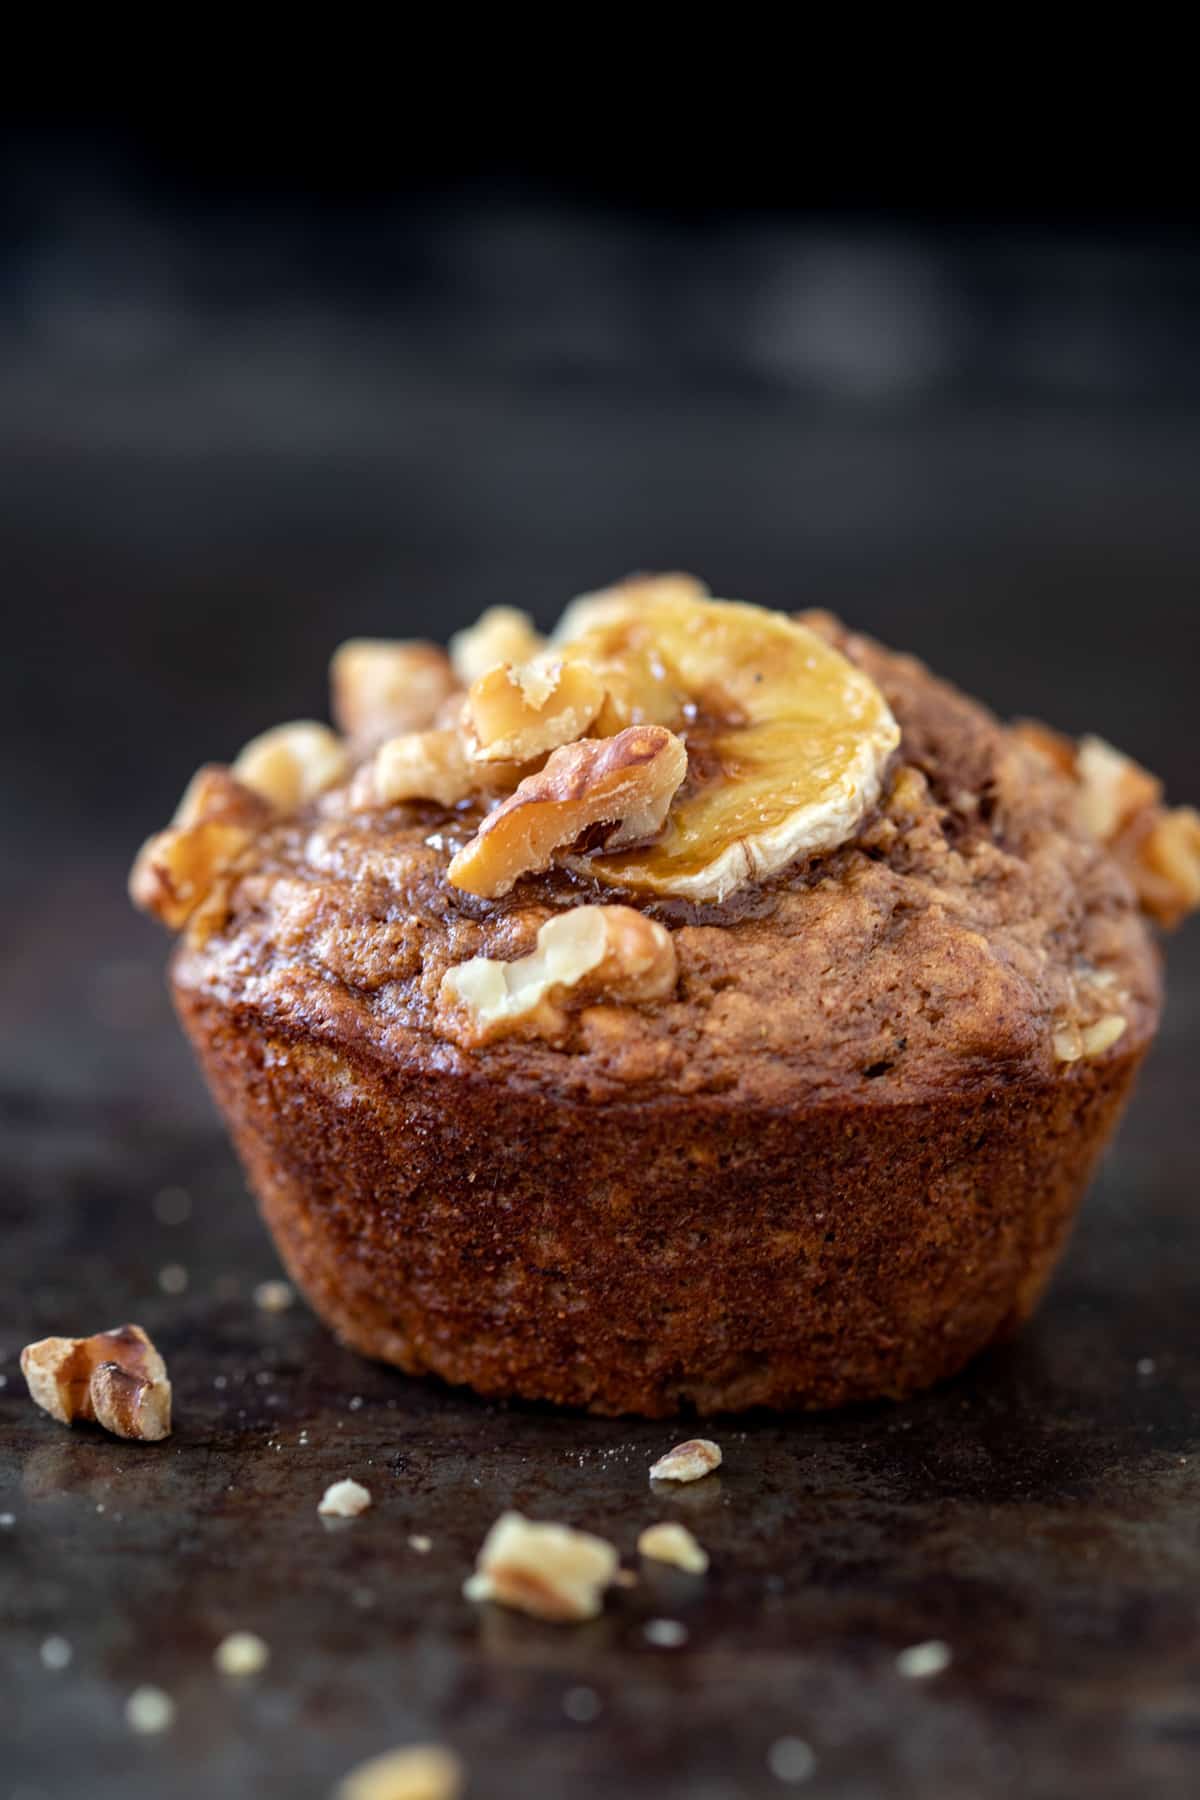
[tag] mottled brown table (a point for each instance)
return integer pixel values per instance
(1041, 1514)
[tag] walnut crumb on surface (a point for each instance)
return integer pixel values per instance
(688, 1461)
(421, 1772)
(344, 1500)
(668, 1542)
(241, 1653)
(549, 1571)
(115, 1379)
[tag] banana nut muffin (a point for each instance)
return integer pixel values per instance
(705, 1009)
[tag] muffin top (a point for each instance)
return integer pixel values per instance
(914, 899)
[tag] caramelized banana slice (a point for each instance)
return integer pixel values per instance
(787, 739)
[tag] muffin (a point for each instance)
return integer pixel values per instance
(706, 1008)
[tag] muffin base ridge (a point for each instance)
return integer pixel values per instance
(657, 1255)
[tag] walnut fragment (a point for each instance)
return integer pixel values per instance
(291, 764)
(176, 869)
(381, 687)
(689, 1461)
(515, 714)
(610, 953)
(115, 1379)
(344, 1500)
(417, 765)
(624, 782)
(1121, 805)
(549, 1571)
(503, 634)
(669, 1542)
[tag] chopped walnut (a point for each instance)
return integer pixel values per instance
(1112, 788)
(668, 1542)
(422, 765)
(501, 635)
(518, 713)
(421, 1772)
(550, 1571)
(1120, 803)
(115, 1379)
(626, 782)
(1074, 1042)
(688, 1461)
(609, 952)
(382, 687)
(1167, 866)
(344, 1500)
(291, 764)
(218, 817)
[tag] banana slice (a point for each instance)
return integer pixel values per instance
(786, 739)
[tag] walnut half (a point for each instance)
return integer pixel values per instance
(626, 782)
(608, 953)
(115, 1379)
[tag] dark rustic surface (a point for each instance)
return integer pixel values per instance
(1040, 1514)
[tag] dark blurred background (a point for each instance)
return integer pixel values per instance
(259, 392)
(263, 387)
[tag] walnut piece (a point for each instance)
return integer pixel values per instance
(176, 869)
(1120, 803)
(421, 765)
(1074, 1042)
(115, 1379)
(291, 764)
(688, 1461)
(1167, 868)
(550, 1571)
(611, 953)
(515, 714)
(501, 635)
(626, 782)
(668, 1542)
(383, 686)
(344, 1500)
(1112, 788)
(420, 1772)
